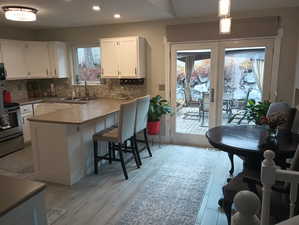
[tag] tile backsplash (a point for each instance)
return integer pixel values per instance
(37, 88)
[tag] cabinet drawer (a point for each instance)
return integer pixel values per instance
(26, 109)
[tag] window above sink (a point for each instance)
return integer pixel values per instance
(87, 64)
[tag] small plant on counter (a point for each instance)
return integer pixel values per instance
(157, 108)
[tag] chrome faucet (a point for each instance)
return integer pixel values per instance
(86, 89)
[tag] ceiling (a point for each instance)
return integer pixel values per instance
(72, 13)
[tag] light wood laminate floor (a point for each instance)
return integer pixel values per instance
(100, 200)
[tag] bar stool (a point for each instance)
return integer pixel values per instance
(141, 123)
(117, 138)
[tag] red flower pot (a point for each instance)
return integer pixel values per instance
(153, 128)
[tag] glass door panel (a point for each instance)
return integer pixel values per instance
(243, 80)
(192, 91)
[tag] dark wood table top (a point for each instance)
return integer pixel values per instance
(14, 192)
(246, 140)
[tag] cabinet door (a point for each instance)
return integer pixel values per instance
(13, 55)
(37, 59)
(109, 59)
(58, 60)
(26, 128)
(127, 58)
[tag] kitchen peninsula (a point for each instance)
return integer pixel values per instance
(62, 140)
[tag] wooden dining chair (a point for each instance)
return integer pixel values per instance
(247, 204)
(252, 181)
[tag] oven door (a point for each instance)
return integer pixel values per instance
(11, 144)
(13, 119)
(11, 136)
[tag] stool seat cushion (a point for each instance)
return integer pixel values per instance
(109, 135)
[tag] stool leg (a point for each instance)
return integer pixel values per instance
(122, 161)
(95, 155)
(135, 147)
(134, 152)
(110, 152)
(146, 143)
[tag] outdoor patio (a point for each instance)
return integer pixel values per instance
(243, 77)
(189, 121)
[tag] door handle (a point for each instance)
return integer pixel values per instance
(212, 95)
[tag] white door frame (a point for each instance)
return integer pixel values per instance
(218, 46)
(192, 139)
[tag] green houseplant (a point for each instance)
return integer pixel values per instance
(157, 108)
(254, 112)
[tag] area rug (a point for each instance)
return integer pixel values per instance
(172, 196)
(54, 214)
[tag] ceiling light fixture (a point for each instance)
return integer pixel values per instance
(20, 13)
(225, 25)
(224, 8)
(116, 16)
(96, 7)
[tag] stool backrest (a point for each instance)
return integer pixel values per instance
(127, 118)
(142, 113)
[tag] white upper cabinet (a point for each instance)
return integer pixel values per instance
(34, 59)
(13, 56)
(123, 57)
(108, 57)
(37, 59)
(58, 60)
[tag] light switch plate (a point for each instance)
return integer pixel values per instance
(161, 87)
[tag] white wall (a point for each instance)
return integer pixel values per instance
(154, 32)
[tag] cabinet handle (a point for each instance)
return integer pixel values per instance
(28, 73)
(47, 72)
(102, 71)
(135, 71)
(55, 72)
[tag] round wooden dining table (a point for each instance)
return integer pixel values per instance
(249, 143)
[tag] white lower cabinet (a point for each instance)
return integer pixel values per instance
(30, 110)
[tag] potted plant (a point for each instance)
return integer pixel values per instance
(254, 112)
(157, 108)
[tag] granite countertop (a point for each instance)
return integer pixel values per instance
(16, 191)
(81, 113)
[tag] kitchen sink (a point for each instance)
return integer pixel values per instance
(79, 100)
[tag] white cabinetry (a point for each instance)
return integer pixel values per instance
(58, 60)
(13, 56)
(37, 59)
(26, 112)
(34, 59)
(123, 57)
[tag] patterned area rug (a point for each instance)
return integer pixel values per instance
(54, 214)
(172, 196)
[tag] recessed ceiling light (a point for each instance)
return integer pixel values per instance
(96, 7)
(116, 16)
(225, 25)
(20, 13)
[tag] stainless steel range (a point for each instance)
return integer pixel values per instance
(11, 130)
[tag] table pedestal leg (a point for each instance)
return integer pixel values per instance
(231, 158)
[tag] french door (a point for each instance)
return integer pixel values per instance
(211, 83)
